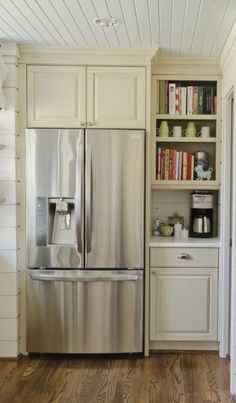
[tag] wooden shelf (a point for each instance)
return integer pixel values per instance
(181, 184)
(185, 117)
(185, 140)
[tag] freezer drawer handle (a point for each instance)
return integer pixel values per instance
(114, 278)
(184, 256)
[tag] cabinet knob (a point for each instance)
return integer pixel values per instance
(82, 123)
(184, 256)
(91, 123)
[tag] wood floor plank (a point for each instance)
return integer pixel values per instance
(162, 378)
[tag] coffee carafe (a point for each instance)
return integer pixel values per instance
(201, 215)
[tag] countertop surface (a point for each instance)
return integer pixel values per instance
(171, 242)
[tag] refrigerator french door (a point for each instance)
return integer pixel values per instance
(85, 240)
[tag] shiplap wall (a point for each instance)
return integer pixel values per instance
(9, 275)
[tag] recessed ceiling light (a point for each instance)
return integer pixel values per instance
(106, 22)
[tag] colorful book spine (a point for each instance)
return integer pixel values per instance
(189, 166)
(200, 100)
(195, 100)
(158, 163)
(183, 100)
(190, 100)
(185, 162)
(172, 89)
(178, 99)
(163, 163)
(192, 167)
(180, 165)
(161, 96)
(166, 97)
(167, 159)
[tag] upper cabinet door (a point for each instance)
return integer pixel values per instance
(56, 96)
(116, 97)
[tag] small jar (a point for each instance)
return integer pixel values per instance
(156, 227)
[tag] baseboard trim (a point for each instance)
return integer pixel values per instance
(184, 345)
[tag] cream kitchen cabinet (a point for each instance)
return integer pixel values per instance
(116, 97)
(183, 296)
(56, 96)
(110, 97)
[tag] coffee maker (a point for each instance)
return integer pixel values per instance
(201, 215)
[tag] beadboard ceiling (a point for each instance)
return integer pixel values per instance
(176, 27)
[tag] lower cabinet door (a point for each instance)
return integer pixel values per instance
(183, 304)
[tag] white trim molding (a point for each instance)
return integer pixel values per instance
(78, 56)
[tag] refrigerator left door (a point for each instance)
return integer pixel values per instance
(54, 197)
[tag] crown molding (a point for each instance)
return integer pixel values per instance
(186, 65)
(72, 55)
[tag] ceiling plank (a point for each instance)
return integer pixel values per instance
(214, 26)
(205, 16)
(90, 13)
(178, 18)
(131, 23)
(224, 30)
(165, 25)
(11, 20)
(142, 13)
(121, 29)
(190, 24)
(45, 21)
(153, 10)
(102, 11)
(34, 23)
(69, 20)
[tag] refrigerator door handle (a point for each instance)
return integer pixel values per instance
(44, 276)
(78, 198)
(88, 199)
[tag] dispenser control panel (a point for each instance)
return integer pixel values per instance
(41, 221)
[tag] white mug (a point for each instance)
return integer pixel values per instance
(176, 131)
(204, 132)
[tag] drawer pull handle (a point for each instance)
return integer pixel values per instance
(184, 256)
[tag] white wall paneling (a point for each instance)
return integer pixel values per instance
(8, 261)
(9, 285)
(7, 193)
(9, 306)
(8, 169)
(7, 146)
(8, 216)
(8, 329)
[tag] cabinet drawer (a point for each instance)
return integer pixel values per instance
(184, 257)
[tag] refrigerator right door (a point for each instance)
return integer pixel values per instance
(114, 199)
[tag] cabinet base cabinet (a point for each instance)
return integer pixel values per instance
(183, 304)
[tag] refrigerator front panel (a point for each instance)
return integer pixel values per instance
(54, 197)
(84, 311)
(114, 199)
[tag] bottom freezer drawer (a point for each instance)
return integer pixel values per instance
(85, 316)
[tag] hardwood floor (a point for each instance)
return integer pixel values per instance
(161, 378)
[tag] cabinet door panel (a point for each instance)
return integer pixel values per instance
(116, 97)
(56, 96)
(183, 304)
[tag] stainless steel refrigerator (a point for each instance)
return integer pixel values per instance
(85, 240)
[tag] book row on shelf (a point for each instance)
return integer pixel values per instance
(174, 165)
(179, 98)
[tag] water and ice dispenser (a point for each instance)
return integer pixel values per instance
(55, 221)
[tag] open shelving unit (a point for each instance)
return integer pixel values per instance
(191, 144)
